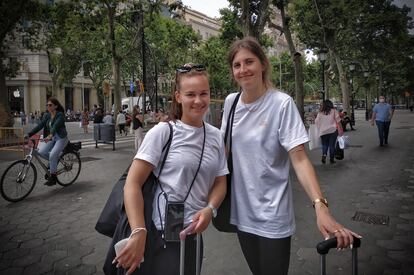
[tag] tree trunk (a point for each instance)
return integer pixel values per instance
(245, 18)
(6, 119)
(296, 56)
(343, 81)
(116, 60)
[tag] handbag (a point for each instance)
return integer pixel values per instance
(111, 213)
(339, 153)
(343, 142)
(314, 138)
(222, 221)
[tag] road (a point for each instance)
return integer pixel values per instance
(52, 231)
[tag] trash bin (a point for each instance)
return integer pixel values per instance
(104, 133)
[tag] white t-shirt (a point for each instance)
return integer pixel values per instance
(182, 163)
(263, 133)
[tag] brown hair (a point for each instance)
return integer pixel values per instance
(251, 44)
(176, 110)
(57, 103)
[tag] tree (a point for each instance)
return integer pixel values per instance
(251, 15)
(371, 33)
(213, 53)
(13, 15)
(295, 55)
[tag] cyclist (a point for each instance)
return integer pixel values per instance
(53, 123)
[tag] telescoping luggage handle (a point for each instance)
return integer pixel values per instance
(183, 235)
(324, 247)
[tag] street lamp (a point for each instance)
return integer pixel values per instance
(351, 69)
(322, 57)
(366, 75)
(377, 78)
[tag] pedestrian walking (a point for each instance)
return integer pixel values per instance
(85, 120)
(268, 132)
(23, 117)
(121, 121)
(196, 158)
(137, 125)
(382, 114)
(328, 123)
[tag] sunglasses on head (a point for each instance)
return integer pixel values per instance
(188, 68)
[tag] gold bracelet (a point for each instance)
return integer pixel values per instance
(321, 200)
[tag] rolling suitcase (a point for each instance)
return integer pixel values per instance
(324, 247)
(183, 236)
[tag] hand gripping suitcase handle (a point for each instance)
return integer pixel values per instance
(324, 246)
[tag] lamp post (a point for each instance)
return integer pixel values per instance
(322, 57)
(366, 75)
(351, 70)
(377, 78)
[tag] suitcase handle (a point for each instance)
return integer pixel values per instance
(324, 246)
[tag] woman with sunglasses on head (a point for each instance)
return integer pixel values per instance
(53, 124)
(267, 133)
(194, 173)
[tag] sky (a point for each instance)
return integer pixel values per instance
(208, 7)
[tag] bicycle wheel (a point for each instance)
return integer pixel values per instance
(68, 169)
(18, 181)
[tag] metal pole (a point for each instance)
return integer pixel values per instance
(323, 80)
(156, 83)
(323, 264)
(354, 261)
(82, 92)
(144, 69)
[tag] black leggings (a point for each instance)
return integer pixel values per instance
(265, 256)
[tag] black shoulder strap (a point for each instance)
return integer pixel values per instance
(230, 119)
(166, 148)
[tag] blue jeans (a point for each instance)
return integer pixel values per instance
(52, 149)
(328, 142)
(383, 130)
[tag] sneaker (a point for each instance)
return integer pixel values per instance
(323, 159)
(332, 161)
(51, 181)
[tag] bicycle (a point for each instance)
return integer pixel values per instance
(19, 179)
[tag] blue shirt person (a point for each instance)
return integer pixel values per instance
(381, 115)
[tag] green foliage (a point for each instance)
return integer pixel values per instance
(372, 33)
(213, 53)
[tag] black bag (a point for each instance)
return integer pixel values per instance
(113, 221)
(222, 221)
(339, 153)
(111, 213)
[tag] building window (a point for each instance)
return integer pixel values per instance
(25, 41)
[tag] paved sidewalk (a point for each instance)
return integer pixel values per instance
(52, 230)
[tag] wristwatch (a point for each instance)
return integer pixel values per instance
(321, 200)
(213, 210)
